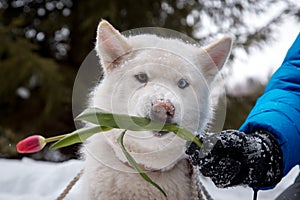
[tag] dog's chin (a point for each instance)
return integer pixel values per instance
(161, 134)
(153, 150)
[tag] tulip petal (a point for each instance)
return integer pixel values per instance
(31, 144)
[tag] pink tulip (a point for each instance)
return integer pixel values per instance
(31, 144)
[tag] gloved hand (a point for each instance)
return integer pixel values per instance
(232, 158)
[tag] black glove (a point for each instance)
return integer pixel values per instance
(232, 158)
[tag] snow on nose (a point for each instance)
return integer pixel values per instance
(162, 111)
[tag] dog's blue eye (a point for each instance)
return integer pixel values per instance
(141, 77)
(182, 83)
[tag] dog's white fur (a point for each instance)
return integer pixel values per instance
(107, 174)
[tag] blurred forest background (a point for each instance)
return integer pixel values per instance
(43, 43)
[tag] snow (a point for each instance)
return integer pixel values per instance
(243, 192)
(36, 180)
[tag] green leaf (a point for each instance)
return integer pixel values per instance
(78, 136)
(182, 133)
(136, 166)
(103, 118)
(100, 117)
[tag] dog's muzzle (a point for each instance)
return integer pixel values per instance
(162, 111)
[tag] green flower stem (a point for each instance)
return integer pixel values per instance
(55, 138)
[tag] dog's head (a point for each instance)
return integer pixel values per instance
(166, 80)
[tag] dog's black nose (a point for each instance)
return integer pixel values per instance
(162, 111)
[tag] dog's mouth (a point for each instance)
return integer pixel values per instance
(160, 133)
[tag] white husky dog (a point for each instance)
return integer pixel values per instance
(166, 80)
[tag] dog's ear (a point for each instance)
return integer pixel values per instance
(110, 44)
(217, 53)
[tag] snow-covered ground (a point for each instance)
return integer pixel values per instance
(36, 180)
(27, 179)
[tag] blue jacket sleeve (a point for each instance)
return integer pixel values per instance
(278, 109)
